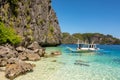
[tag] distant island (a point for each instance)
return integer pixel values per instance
(89, 38)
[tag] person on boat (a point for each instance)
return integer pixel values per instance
(79, 47)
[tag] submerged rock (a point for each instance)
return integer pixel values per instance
(56, 53)
(54, 61)
(41, 52)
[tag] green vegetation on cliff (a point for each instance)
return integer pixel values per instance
(89, 38)
(8, 35)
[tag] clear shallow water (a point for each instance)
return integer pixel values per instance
(102, 65)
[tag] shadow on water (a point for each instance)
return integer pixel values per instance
(116, 60)
(81, 63)
(86, 54)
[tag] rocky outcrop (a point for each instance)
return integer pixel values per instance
(32, 53)
(33, 20)
(13, 58)
(3, 62)
(17, 67)
(7, 52)
(33, 57)
(34, 46)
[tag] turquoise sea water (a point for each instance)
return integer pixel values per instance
(108, 55)
(102, 65)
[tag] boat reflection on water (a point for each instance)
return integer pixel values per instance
(84, 54)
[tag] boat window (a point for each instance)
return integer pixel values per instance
(90, 46)
(85, 46)
(94, 46)
(80, 45)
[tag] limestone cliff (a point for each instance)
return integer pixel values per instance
(33, 20)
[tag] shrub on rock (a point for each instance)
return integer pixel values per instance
(8, 35)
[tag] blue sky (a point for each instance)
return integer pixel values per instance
(102, 16)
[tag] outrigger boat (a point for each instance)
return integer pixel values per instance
(84, 48)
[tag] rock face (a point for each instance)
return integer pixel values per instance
(34, 20)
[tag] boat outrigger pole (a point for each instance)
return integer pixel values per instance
(78, 43)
